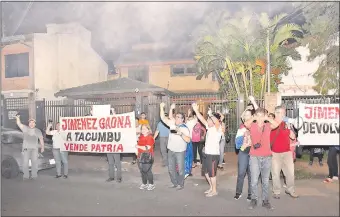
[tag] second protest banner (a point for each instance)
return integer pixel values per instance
(318, 124)
(99, 134)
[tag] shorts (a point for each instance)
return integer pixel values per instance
(210, 164)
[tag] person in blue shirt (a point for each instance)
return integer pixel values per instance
(163, 132)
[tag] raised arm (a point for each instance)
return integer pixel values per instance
(20, 125)
(171, 112)
(253, 101)
(162, 114)
(198, 114)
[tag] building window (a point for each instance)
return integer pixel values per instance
(16, 65)
(140, 73)
(180, 70)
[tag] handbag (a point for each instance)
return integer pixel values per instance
(146, 157)
(227, 138)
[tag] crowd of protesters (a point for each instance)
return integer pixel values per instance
(265, 142)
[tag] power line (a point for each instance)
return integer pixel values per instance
(23, 17)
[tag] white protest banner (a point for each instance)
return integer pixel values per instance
(99, 134)
(318, 124)
(101, 110)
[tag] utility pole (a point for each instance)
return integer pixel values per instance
(268, 60)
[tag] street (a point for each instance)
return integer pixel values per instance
(86, 193)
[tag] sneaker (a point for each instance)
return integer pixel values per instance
(143, 187)
(276, 196)
(249, 197)
(220, 167)
(237, 196)
(173, 186)
(267, 205)
(186, 176)
(335, 178)
(180, 187)
(151, 187)
(65, 176)
(253, 204)
(293, 194)
(284, 185)
(119, 180)
(57, 176)
(310, 163)
(320, 163)
(110, 179)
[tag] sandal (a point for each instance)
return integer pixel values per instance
(208, 191)
(211, 194)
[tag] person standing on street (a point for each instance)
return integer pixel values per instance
(332, 163)
(30, 147)
(260, 155)
(115, 162)
(163, 132)
(222, 141)
(61, 157)
(211, 149)
(282, 155)
(179, 137)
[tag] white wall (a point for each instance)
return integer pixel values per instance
(64, 58)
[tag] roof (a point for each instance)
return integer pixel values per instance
(117, 86)
(156, 55)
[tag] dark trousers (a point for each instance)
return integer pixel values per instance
(332, 162)
(243, 170)
(146, 172)
(312, 155)
(197, 146)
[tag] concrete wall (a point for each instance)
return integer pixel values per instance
(160, 75)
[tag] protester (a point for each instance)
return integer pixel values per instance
(282, 156)
(115, 163)
(142, 119)
(146, 146)
(212, 147)
(30, 147)
(332, 162)
(198, 139)
(260, 155)
(179, 137)
(222, 141)
(163, 132)
(243, 143)
(60, 157)
(189, 156)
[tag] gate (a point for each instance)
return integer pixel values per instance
(13, 106)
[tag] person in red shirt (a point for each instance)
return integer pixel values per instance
(282, 155)
(260, 155)
(146, 144)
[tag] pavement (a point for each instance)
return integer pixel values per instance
(85, 193)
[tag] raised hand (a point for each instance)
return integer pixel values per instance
(195, 107)
(251, 99)
(173, 106)
(210, 112)
(162, 105)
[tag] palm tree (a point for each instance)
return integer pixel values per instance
(232, 46)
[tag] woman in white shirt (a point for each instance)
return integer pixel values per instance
(61, 157)
(212, 148)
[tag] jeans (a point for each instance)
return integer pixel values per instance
(197, 146)
(260, 165)
(332, 162)
(176, 159)
(30, 154)
(163, 143)
(114, 161)
(60, 158)
(222, 146)
(243, 170)
(146, 172)
(312, 155)
(283, 161)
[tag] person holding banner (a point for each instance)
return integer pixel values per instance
(145, 156)
(30, 147)
(178, 140)
(61, 157)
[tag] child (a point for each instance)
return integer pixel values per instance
(145, 144)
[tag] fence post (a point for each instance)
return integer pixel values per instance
(239, 108)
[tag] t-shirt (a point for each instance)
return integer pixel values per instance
(280, 139)
(57, 139)
(197, 132)
(212, 141)
(144, 141)
(163, 129)
(176, 143)
(260, 135)
(31, 137)
(191, 124)
(144, 122)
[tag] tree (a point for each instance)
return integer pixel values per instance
(233, 47)
(322, 39)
